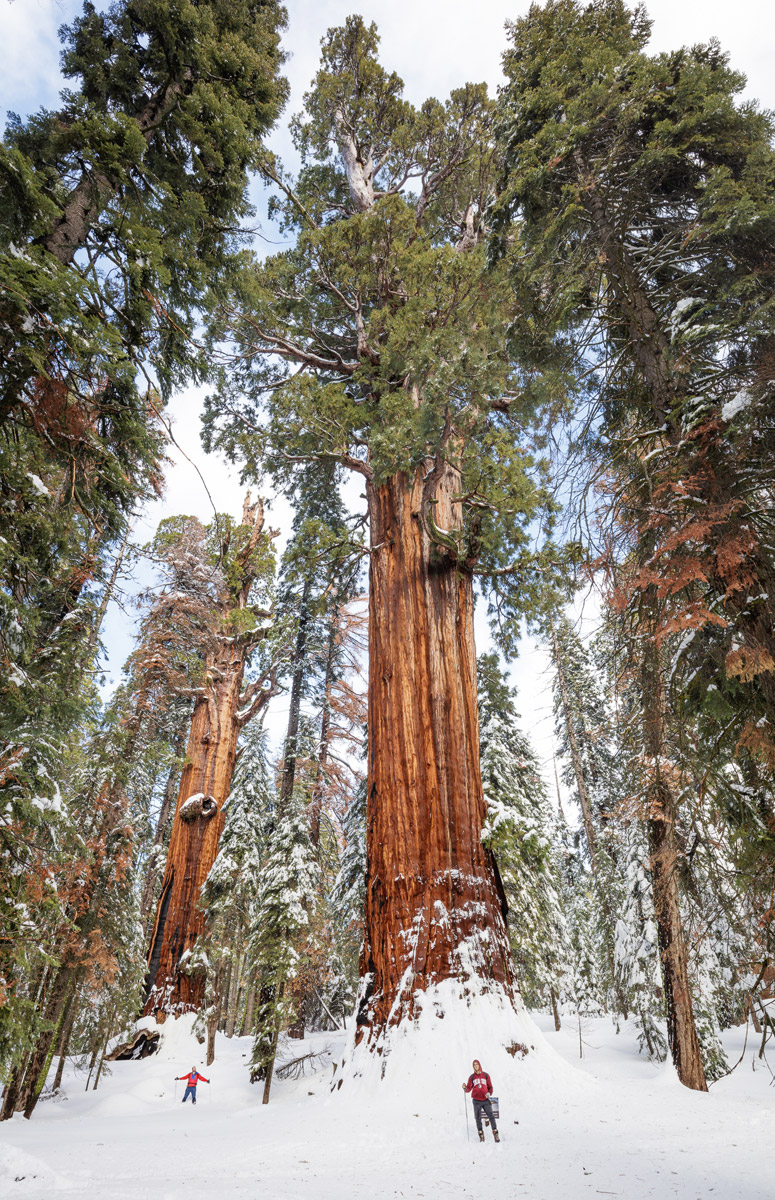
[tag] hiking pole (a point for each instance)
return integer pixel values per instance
(465, 1105)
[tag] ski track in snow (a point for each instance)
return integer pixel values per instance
(617, 1126)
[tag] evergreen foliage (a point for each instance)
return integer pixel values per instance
(232, 889)
(286, 902)
(636, 950)
(119, 217)
(655, 187)
(348, 897)
(377, 341)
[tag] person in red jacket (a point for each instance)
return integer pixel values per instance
(192, 1079)
(480, 1086)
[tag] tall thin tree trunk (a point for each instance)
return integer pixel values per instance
(578, 766)
(108, 1035)
(663, 847)
(12, 1089)
(57, 1004)
(92, 1064)
(222, 991)
(316, 805)
(555, 1010)
(294, 711)
(433, 907)
(234, 994)
(64, 1040)
(247, 1023)
(212, 1029)
(273, 1052)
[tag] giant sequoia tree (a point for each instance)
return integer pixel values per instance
(654, 189)
(377, 343)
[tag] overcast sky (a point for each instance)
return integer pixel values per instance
(434, 45)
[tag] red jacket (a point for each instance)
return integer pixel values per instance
(192, 1079)
(479, 1085)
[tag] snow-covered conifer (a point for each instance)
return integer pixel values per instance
(519, 831)
(286, 902)
(636, 948)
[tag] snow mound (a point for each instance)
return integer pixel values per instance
(740, 401)
(428, 1060)
(124, 1105)
(22, 1174)
(178, 1040)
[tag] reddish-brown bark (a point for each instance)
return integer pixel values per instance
(210, 758)
(663, 847)
(433, 909)
(221, 710)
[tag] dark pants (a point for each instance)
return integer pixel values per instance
(483, 1106)
(190, 1091)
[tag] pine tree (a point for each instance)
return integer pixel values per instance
(86, 938)
(316, 580)
(584, 742)
(347, 900)
(119, 217)
(122, 208)
(231, 890)
(654, 188)
(637, 953)
(286, 903)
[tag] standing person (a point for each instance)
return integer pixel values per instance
(192, 1079)
(480, 1086)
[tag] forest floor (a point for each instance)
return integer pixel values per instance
(621, 1127)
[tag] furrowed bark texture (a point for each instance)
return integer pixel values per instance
(221, 710)
(210, 758)
(433, 908)
(155, 863)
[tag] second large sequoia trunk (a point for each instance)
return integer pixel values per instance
(196, 833)
(434, 910)
(222, 708)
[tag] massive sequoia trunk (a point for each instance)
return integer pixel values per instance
(222, 708)
(156, 861)
(433, 907)
(196, 832)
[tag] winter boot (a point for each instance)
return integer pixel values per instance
(496, 1135)
(481, 1135)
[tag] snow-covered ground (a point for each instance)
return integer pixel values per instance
(609, 1124)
